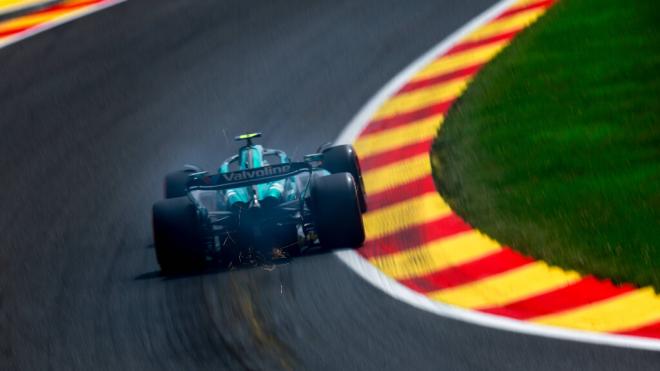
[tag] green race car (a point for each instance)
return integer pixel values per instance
(259, 205)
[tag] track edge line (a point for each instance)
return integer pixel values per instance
(396, 290)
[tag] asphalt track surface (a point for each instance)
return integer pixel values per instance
(93, 113)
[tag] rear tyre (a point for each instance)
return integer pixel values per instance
(178, 237)
(344, 159)
(176, 183)
(336, 211)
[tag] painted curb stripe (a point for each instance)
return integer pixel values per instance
(517, 21)
(461, 73)
(507, 36)
(651, 331)
(394, 155)
(440, 254)
(8, 7)
(498, 262)
(393, 140)
(404, 119)
(586, 291)
(400, 216)
(507, 287)
(408, 170)
(20, 24)
(455, 61)
(422, 98)
(621, 313)
(391, 196)
(406, 239)
(414, 238)
(525, 7)
(19, 28)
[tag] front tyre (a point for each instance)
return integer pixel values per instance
(176, 183)
(178, 236)
(336, 211)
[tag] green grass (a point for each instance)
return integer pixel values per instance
(554, 149)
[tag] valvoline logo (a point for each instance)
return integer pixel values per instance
(256, 173)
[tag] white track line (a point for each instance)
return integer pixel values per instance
(56, 22)
(396, 290)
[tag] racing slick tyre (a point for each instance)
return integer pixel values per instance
(340, 159)
(176, 183)
(178, 239)
(336, 211)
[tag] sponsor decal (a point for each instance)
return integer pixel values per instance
(256, 173)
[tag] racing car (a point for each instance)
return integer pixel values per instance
(259, 205)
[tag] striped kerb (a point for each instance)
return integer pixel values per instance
(15, 28)
(414, 237)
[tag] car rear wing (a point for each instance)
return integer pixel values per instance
(249, 177)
